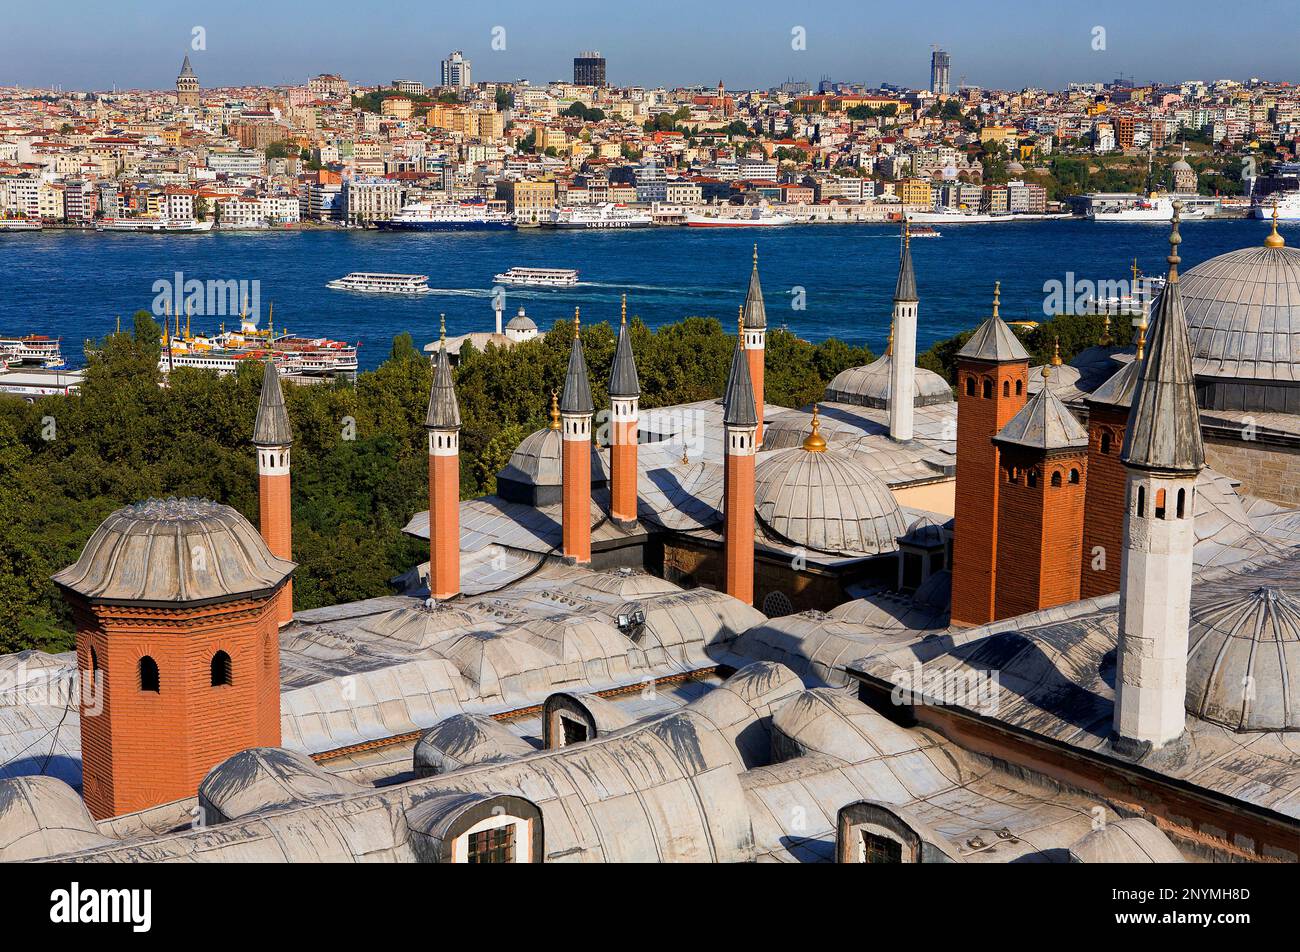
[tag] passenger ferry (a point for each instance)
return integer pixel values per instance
(154, 225)
(1155, 207)
(606, 215)
(1287, 205)
(375, 282)
(35, 349)
(475, 215)
(225, 361)
(756, 217)
(924, 231)
(20, 224)
(538, 277)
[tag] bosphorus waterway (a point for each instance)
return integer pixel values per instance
(75, 284)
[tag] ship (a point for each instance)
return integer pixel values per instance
(153, 225)
(924, 231)
(20, 224)
(1152, 207)
(1285, 204)
(538, 277)
(34, 350)
(605, 215)
(473, 215)
(376, 282)
(222, 352)
(755, 217)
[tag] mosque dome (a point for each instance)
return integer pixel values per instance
(1128, 840)
(1181, 166)
(190, 551)
(1243, 662)
(1243, 316)
(536, 469)
(869, 386)
(827, 501)
(1015, 168)
(521, 322)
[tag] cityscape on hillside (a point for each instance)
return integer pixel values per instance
(725, 588)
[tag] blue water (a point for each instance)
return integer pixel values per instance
(75, 284)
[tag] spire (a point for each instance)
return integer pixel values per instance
(1164, 427)
(814, 442)
(444, 411)
(905, 289)
(271, 428)
(577, 388)
(994, 341)
(186, 69)
(555, 411)
(755, 312)
(623, 380)
(738, 404)
(1056, 352)
(1274, 240)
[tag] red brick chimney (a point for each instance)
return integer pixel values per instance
(576, 409)
(740, 425)
(273, 438)
(443, 426)
(992, 378)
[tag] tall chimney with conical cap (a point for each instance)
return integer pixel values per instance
(902, 368)
(624, 397)
(274, 439)
(1163, 454)
(755, 343)
(740, 425)
(576, 409)
(442, 423)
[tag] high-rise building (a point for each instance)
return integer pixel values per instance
(187, 87)
(589, 69)
(455, 71)
(940, 62)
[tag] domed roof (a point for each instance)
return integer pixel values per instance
(827, 501)
(521, 322)
(869, 386)
(1015, 167)
(538, 460)
(1243, 662)
(190, 551)
(1130, 840)
(1243, 313)
(1181, 166)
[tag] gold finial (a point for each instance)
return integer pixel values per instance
(685, 458)
(1105, 330)
(814, 442)
(907, 231)
(555, 409)
(1135, 272)
(623, 318)
(889, 348)
(1142, 337)
(997, 296)
(1175, 240)
(740, 326)
(243, 309)
(1056, 351)
(756, 256)
(442, 329)
(577, 322)
(1274, 240)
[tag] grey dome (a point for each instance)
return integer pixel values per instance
(521, 322)
(1243, 662)
(827, 501)
(1180, 166)
(539, 458)
(1243, 314)
(1130, 840)
(869, 386)
(189, 551)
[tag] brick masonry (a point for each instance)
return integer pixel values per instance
(738, 527)
(275, 521)
(576, 508)
(1103, 520)
(623, 462)
(444, 525)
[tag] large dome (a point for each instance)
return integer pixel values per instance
(827, 501)
(536, 468)
(1243, 314)
(174, 550)
(869, 386)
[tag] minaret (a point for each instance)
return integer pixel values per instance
(1163, 454)
(740, 425)
(992, 379)
(187, 87)
(576, 409)
(755, 334)
(443, 425)
(500, 306)
(902, 384)
(624, 397)
(273, 439)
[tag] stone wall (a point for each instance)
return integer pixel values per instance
(1267, 470)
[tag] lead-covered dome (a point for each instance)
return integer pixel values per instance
(1243, 314)
(1243, 661)
(192, 551)
(827, 501)
(869, 386)
(536, 468)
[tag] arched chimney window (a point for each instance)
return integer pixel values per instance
(1031, 478)
(988, 389)
(1020, 387)
(1006, 388)
(1074, 476)
(1142, 502)
(220, 669)
(1182, 503)
(1105, 442)
(970, 386)
(1160, 503)
(1056, 479)
(149, 680)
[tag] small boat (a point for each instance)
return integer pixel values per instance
(924, 231)
(538, 277)
(374, 282)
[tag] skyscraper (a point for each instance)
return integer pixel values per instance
(455, 71)
(589, 69)
(940, 62)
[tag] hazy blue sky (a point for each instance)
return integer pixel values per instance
(92, 44)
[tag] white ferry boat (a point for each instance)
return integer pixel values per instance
(20, 224)
(538, 277)
(375, 282)
(154, 225)
(1156, 207)
(226, 361)
(1287, 205)
(460, 216)
(32, 349)
(756, 217)
(606, 215)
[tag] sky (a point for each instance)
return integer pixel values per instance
(1008, 44)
